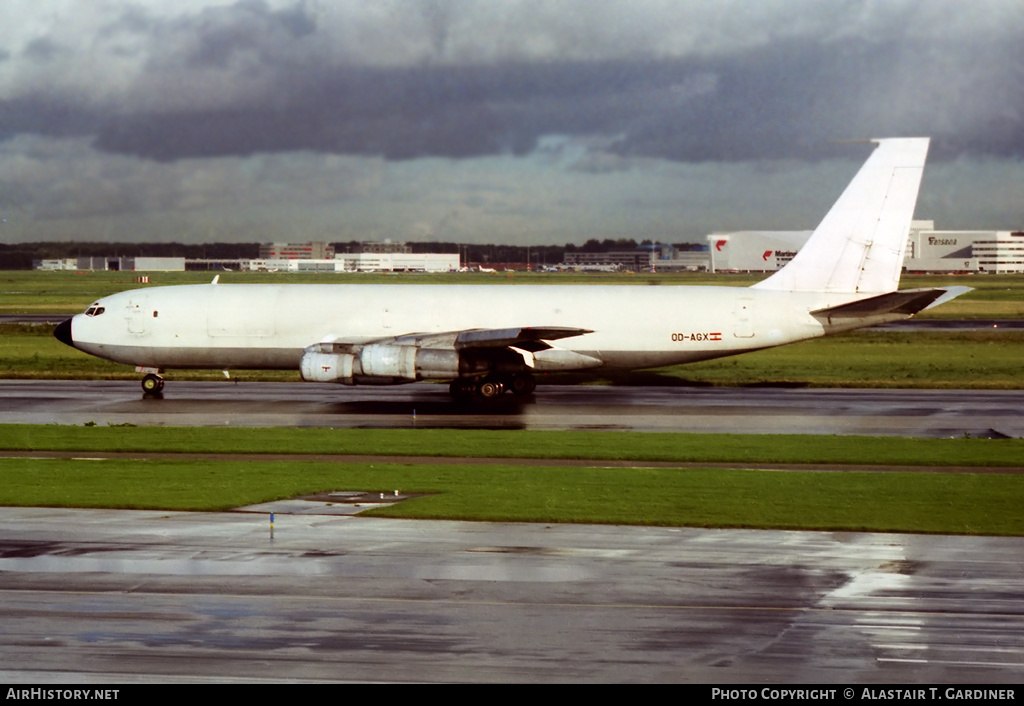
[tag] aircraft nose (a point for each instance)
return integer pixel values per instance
(63, 333)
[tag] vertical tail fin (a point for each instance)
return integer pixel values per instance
(859, 247)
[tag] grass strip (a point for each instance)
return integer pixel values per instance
(597, 445)
(848, 501)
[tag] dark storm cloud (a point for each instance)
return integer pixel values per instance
(781, 101)
(244, 79)
(221, 34)
(404, 113)
(41, 113)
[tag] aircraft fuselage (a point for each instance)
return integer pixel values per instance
(261, 326)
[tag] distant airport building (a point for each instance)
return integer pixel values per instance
(114, 264)
(156, 264)
(657, 257)
(296, 251)
(686, 260)
(1002, 254)
(635, 260)
(399, 262)
(369, 256)
(67, 263)
(991, 251)
(364, 262)
(386, 246)
(928, 250)
(288, 257)
(754, 250)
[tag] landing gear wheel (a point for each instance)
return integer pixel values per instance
(490, 389)
(152, 386)
(523, 385)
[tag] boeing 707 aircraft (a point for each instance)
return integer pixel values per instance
(487, 339)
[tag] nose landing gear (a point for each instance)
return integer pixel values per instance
(152, 386)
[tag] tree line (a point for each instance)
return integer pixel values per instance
(20, 256)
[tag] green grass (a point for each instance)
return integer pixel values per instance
(851, 501)
(542, 491)
(988, 359)
(741, 449)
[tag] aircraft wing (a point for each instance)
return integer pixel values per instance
(529, 343)
(527, 338)
(473, 349)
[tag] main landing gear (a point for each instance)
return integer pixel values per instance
(492, 387)
(153, 386)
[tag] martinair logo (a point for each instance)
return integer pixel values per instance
(766, 255)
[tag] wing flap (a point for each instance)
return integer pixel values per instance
(553, 359)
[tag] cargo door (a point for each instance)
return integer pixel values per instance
(744, 318)
(136, 314)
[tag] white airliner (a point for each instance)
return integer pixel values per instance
(486, 339)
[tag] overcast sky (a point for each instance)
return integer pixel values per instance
(505, 121)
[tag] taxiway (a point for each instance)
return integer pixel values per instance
(763, 410)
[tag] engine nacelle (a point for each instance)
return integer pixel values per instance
(383, 363)
(388, 360)
(327, 367)
(440, 363)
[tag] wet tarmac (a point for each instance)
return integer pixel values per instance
(767, 410)
(108, 596)
(122, 596)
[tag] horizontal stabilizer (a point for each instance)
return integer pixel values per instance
(894, 306)
(950, 293)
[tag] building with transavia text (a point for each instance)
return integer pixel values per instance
(928, 250)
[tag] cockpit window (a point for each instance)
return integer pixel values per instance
(94, 310)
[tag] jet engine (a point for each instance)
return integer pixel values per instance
(385, 363)
(327, 367)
